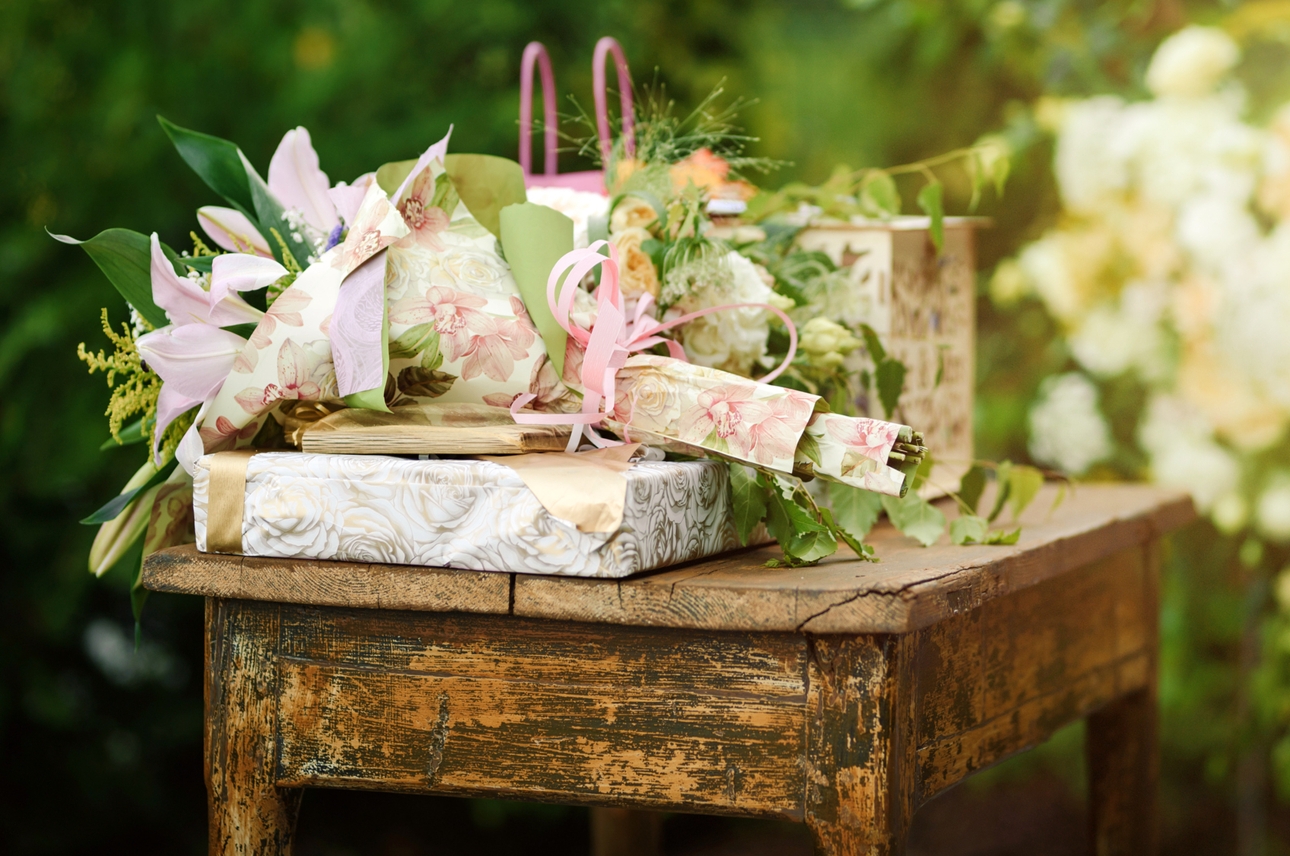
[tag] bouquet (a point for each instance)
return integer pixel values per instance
(643, 316)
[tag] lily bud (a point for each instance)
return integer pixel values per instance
(116, 536)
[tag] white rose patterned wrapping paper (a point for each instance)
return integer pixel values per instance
(469, 514)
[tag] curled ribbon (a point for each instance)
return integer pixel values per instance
(613, 337)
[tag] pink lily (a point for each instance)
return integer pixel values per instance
(186, 302)
(192, 360)
(240, 272)
(231, 230)
(192, 355)
(296, 181)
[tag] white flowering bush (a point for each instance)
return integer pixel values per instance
(1168, 272)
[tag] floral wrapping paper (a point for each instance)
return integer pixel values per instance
(664, 400)
(468, 514)
(458, 331)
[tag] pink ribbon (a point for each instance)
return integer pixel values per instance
(613, 337)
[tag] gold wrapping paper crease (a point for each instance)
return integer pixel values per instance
(587, 489)
(226, 494)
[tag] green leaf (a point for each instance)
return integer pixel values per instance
(890, 376)
(800, 535)
(748, 501)
(855, 510)
(243, 330)
(269, 213)
(873, 344)
(121, 502)
(971, 486)
(969, 529)
(218, 162)
(862, 550)
(1062, 488)
(130, 434)
(810, 547)
(999, 536)
(1025, 483)
(205, 264)
(125, 257)
(879, 196)
(930, 200)
(915, 517)
(1001, 478)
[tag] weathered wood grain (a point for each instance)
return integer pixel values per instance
(848, 732)
(860, 748)
(185, 571)
(738, 665)
(248, 814)
(477, 705)
(910, 588)
(1005, 676)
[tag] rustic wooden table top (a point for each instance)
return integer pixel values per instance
(910, 588)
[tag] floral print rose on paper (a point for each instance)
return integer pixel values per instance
(486, 344)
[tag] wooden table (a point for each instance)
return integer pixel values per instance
(843, 695)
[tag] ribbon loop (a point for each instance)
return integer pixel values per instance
(612, 338)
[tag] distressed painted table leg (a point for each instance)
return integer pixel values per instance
(1121, 744)
(248, 815)
(861, 751)
(626, 832)
(1122, 761)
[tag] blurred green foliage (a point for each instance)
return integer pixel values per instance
(101, 749)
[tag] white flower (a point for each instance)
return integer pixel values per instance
(733, 339)
(1113, 339)
(1218, 231)
(1088, 167)
(1272, 513)
(1192, 62)
(578, 205)
(1183, 451)
(1066, 428)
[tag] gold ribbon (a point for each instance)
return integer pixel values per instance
(298, 417)
(225, 497)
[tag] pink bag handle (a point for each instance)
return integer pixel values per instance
(607, 45)
(535, 52)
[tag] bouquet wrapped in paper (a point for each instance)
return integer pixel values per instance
(441, 283)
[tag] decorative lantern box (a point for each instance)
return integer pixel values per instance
(922, 305)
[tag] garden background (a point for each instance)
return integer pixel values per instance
(101, 746)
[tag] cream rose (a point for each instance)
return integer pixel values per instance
(734, 339)
(631, 213)
(637, 275)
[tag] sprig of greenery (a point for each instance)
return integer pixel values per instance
(663, 138)
(872, 192)
(134, 386)
(805, 531)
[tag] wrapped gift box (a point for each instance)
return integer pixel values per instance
(470, 514)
